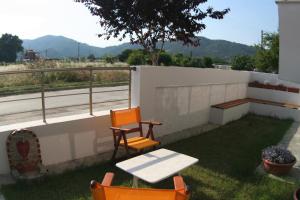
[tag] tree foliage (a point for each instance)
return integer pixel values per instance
(149, 22)
(10, 45)
(91, 57)
(243, 62)
(124, 55)
(267, 55)
(207, 62)
(136, 58)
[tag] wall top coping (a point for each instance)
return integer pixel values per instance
(51, 121)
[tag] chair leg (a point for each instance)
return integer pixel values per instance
(114, 155)
(116, 148)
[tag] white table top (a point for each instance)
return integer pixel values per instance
(157, 165)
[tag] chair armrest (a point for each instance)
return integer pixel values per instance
(180, 186)
(178, 183)
(94, 185)
(120, 129)
(108, 178)
(151, 122)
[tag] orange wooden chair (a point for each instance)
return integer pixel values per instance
(131, 117)
(104, 191)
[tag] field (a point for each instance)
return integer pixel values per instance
(28, 83)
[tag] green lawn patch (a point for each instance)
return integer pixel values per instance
(228, 157)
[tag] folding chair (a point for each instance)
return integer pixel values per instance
(104, 191)
(131, 117)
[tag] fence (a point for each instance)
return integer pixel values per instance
(90, 70)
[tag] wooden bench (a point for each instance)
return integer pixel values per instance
(233, 110)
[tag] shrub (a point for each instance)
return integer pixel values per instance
(165, 59)
(136, 58)
(278, 155)
(243, 63)
(208, 62)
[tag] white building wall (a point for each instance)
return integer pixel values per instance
(289, 31)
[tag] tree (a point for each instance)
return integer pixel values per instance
(109, 59)
(208, 62)
(165, 59)
(91, 57)
(136, 58)
(124, 55)
(10, 45)
(177, 59)
(152, 22)
(267, 55)
(243, 62)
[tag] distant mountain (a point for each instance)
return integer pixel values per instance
(62, 47)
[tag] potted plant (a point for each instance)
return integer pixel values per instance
(277, 160)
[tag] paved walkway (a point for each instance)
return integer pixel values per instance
(291, 141)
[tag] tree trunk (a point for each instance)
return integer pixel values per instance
(154, 58)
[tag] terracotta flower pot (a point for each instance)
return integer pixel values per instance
(277, 169)
(297, 194)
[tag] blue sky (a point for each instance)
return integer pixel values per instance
(34, 18)
(245, 21)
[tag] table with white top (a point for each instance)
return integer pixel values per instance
(156, 166)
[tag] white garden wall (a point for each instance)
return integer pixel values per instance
(272, 95)
(181, 97)
(64, 139)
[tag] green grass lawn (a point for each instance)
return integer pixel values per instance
(228, 157)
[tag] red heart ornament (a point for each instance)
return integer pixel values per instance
(23, 148)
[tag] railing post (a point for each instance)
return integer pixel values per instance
(43, 96)
(91, 91)
(129, 89)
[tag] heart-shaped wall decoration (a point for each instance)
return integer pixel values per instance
(23, 148)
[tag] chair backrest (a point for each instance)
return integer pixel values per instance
(123, 193)
(125, 117)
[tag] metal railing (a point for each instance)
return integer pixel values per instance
(91, 71)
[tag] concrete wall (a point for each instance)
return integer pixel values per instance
(289, 31)
(224, 116)
(272, 95)
(275, 111)
(64, 139)
(181, 97)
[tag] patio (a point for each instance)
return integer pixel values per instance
(228, 157)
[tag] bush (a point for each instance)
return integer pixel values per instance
(165, 59)
(91, 57)
(124, 55)
(278, 155)
(136, 58)
(207, 62)
(245, 63)
(177, 59)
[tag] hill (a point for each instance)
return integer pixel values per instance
(62, 47)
